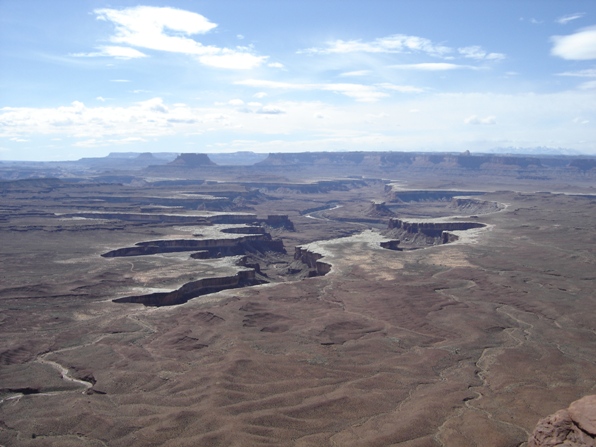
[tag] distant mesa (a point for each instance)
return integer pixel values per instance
(127, 160)
(404, 159)
(583, 164)
(146, 156)
(314, 158)
(192, 161)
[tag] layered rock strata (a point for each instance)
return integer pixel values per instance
(312, 260)
(215, 247)
(432, 229)
(395, 194)
(194, 289)
(275, 221)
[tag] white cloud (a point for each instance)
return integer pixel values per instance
(476, 52)
(564, 20)
(356, 73)
(115, 52)
(260, 95)
(273, 84)
(276, 65)
(359, 92)
(270, 110)
(119, 80)
(236, 102)
(525, 120)
(400, 43)
(397, 43)
(94, 142)
(578, 46)
(587, 73)
(101, 99)
(433, 66)
(168, 29)
(233, 60)
(488, 120)
(400, 88)
(154, 105)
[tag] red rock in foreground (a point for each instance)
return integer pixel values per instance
(573, 427)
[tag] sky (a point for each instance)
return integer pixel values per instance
(83, 78)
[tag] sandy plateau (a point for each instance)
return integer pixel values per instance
(273, 305)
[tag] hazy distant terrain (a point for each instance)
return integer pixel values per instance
(303, 299)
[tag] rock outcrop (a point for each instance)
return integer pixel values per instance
(312, 260)
(392, 244)
(379, 209)
(432, 229)
(425, 195)
(473, 205)
(573, 427)
(279, 221)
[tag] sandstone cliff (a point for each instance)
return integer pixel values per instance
(573, 427)
(194, 289)
(432, 229)
(216, 247)
(312, 260)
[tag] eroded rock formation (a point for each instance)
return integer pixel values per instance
(216, 247)
(573, 427)
(194, 289)
(379, 209)
(473, 205)
(312, 259)
(392, 244)
(432, 229)
(399, 195)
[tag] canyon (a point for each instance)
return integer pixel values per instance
(314, 299)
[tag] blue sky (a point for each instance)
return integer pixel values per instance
(89, 77)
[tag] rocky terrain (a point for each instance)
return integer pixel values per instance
(395, 300)
(573, 427)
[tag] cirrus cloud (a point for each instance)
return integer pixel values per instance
(400, 43)
(359, 92)
(113, 51)
(564, 20)
(433, 66)
(397, 43)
